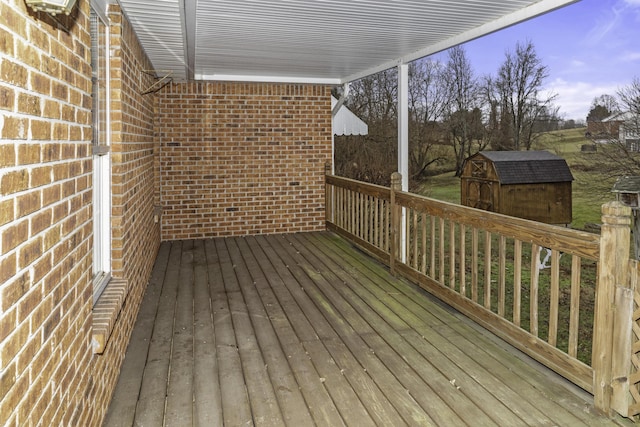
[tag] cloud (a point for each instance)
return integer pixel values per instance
(607, 23)
(574, 97)
(630, 56)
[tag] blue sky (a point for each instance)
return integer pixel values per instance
(591, 47)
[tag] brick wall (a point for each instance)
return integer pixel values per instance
(135, 236)
(225, 159)
(45, 220)
(242, 158)
(48, 372)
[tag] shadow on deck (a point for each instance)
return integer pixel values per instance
(304, 330)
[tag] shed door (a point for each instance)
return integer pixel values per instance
(480, 195)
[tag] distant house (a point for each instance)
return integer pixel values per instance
(606, 128)
(629, 131)
(534, 185)
(618, 127)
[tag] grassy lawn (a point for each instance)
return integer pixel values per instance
(591, 187)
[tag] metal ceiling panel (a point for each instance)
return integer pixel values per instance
(328, 41)
(159, 26)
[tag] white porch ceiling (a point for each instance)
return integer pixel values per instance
(315, 41)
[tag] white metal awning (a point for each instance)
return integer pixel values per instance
(311, 41)
(345, 122)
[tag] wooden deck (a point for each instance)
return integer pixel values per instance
(304, 330)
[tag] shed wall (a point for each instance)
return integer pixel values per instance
(480, 187)
(549, 203)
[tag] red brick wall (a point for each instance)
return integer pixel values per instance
(45, 219)
(228, 159)
(135, 236)
(242, 158)
(48, 372)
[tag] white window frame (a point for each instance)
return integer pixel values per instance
(101, 171)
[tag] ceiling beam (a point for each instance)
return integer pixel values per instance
(521, 15)
(269, 79)
(188, 21)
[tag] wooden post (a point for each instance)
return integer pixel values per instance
(328, 194)
(613, 274)
(396, 220)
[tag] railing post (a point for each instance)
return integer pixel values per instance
(328, 194)
(613, 276)
(396, 220)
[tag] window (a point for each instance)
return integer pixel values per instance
(101, 154)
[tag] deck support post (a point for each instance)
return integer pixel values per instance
(328, 194)
(609, 334)
(396, 221)
(403, 147)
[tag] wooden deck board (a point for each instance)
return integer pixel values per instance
(153, 391)
(236, 409)
(178, 409)
(207, 401)
(320, 404)
(304, 330)
(123, 404)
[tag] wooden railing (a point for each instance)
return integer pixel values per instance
(532, 284)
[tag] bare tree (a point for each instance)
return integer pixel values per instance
(371, 158)
(517, 92)
(374, 98)
(607, 103)
(427, 101)
(463, 95)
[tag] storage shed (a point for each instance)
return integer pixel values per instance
(535, 185)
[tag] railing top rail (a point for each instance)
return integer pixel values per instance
(359, 186)
(577, 242)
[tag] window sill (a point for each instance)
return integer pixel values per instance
(105, 313)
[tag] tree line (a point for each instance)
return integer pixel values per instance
(450, 108)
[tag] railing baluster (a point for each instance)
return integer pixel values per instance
(376, 223)
(414, 236)
(517, 281)
(354, 212)
(432, 265)
(533, 298)
(474, 265)
(502, 266)
(452, 254)
(372, 225)
(424, 243)
(555, 297)
(441, 252)
(363, 223)
(487, 270)
(574, 311)
(463, 266)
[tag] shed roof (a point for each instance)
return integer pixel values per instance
(528, 167)
(627, 184)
